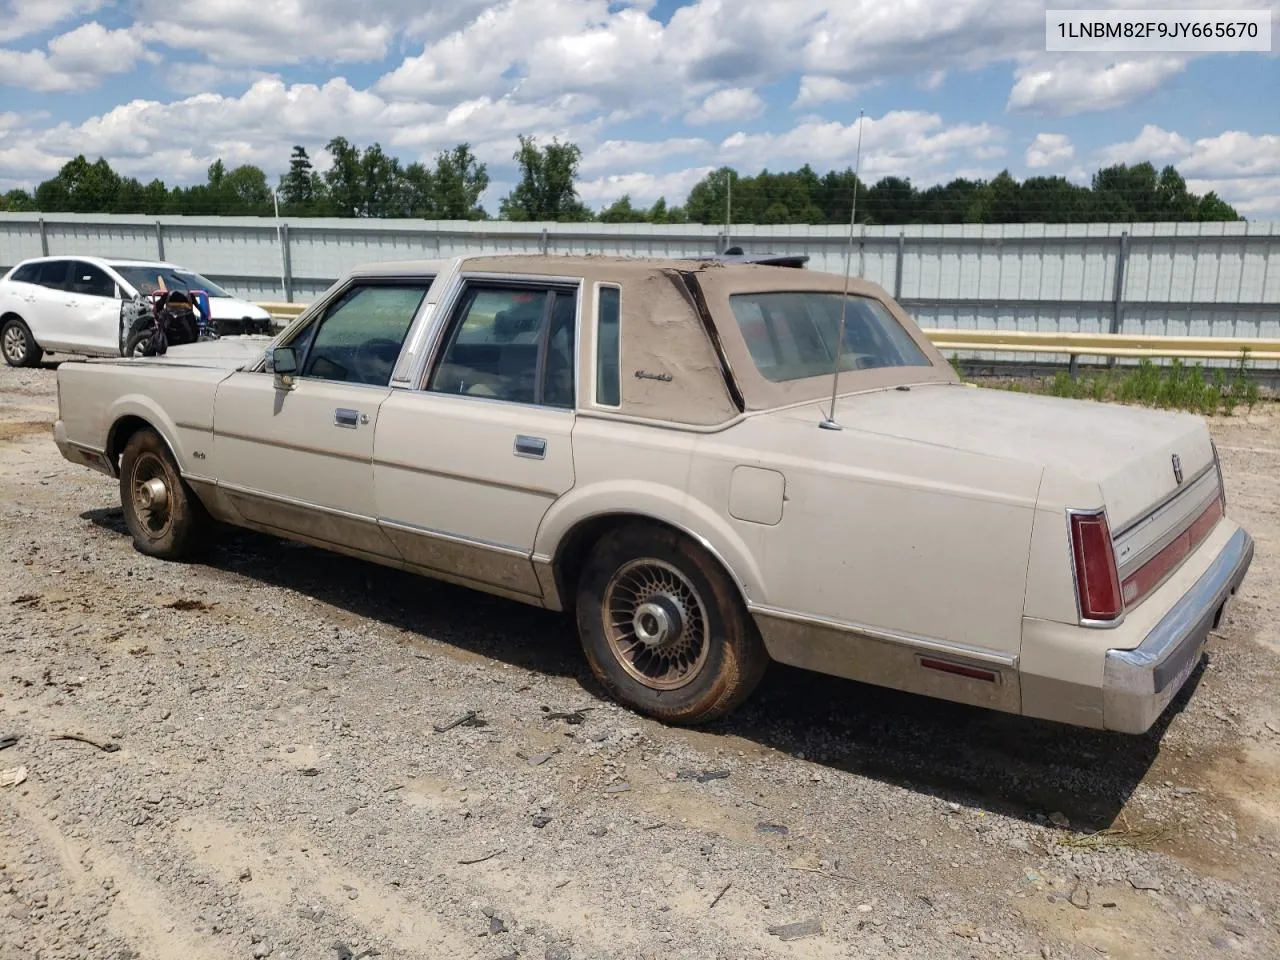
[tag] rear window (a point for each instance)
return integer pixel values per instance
(792, 336)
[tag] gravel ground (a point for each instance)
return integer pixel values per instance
(261, 774)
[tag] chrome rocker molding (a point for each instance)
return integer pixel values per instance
(1138, 684)
(986, 677)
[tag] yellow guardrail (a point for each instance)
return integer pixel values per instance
(1105, 344)
(1020, 341)
(284, 311)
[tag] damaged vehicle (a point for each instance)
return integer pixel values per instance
(709, 466)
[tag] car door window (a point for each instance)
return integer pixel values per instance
(360, 335)
(53, 274)
(511, 343)
(91, 281)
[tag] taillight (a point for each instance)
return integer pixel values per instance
(1222, 487)
(1097, 579)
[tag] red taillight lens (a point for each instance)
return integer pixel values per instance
(1097, 580)
(1222, 487)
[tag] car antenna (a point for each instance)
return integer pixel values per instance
(830, 422)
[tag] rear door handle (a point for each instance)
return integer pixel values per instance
(535, 448)
(343, 417)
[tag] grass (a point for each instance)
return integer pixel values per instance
(1177, 386)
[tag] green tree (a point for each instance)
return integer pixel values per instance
(301, 189)
(546, 189)
(80, 187)
(459, 180)
(345, 178)
(17, 201)
(621, 211)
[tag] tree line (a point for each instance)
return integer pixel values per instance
(369, 182)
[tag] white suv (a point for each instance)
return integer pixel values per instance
(74, 305)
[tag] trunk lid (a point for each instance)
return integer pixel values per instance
(1128, 451)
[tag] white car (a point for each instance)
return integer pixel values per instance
(74, 305)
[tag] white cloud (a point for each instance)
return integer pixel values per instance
(815, 90)
(644, 188)
(1234, 154)
(615, 154)
(1242, 168)
(1152, 143)
(20, 18)
(1081, 84)
(77, 60)
(725, 106)
(902, 143)
(1254, 197)
(1049, 149)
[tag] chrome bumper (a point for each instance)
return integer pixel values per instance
(1138, 684)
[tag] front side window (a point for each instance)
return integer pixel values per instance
(91, 281)
(511, 343)
(792, 336)
(359, 338)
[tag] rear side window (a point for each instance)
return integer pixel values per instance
(53, 274)
(27, 273)
(608, 348)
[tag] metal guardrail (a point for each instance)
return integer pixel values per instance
(1021, 341)
(1105, 344)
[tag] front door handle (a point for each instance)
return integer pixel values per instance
(343, 417)
(535, 448)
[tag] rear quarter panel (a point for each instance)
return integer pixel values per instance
(904, 537)
(177, 400)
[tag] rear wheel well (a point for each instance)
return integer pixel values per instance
(121, 431)
(574, 548)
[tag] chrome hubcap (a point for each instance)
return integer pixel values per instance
(15, 344)
(656, 624)
(153, 495)
(151, 500)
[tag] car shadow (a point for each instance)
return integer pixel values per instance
(1016, 766)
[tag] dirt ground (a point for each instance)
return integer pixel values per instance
(260, 773)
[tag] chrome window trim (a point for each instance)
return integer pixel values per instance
(1075, 574)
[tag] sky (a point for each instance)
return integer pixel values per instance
(656, 92)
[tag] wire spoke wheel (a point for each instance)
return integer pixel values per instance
(655, 623)
(152, 496)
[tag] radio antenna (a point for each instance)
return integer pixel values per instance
(830, 422)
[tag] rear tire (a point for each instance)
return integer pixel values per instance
(18, 345)
(665, 629)
(164, 516)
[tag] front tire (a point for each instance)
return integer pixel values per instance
(664, 628)
(163, 515)
(18, 345)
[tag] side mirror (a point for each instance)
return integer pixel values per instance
(283, 362)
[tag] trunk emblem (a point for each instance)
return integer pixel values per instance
(1177, 468)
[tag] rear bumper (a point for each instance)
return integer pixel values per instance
(80, 453)
(1139, 683)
